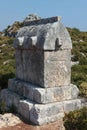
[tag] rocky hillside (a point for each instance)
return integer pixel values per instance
(11, 30)
(79, 54)
(79, 58)
(77, 35)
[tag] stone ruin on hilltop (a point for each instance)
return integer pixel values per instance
(42, 91)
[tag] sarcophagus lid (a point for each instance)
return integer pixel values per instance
(44, 34)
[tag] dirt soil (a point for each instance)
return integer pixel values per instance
(24, 126)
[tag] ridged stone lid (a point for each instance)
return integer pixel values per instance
(43, 34)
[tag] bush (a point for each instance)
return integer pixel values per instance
(76, 120)
(4, 79)
(7, 61)
(83, 89)
(4, 109)
(79, 74)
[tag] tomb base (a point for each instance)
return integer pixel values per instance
(39, 111)
(43, 95)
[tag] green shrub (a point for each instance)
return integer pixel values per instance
(78, 74)
(4, 109)
(83, 89)
(4, 80)
(7, 61)
(83, 61)
(76, 120)
(77, 35)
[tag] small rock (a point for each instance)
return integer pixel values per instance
(3, 45)
(74, 63)
(81, 40)
(83, 54)
(6, 62)
(32, 17)
(9, 120)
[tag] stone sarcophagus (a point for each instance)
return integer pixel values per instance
(43, 53)
(42, 91)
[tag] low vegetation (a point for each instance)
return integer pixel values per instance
(4, 109)
(76, 120)
(79, 71)
(7, 62)
(77, 35)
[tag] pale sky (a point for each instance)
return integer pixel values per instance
(73, 12)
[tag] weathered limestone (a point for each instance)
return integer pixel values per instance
(42, 91)
(43, 53)
(54, 70)
(40, 113)
(41, 95)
